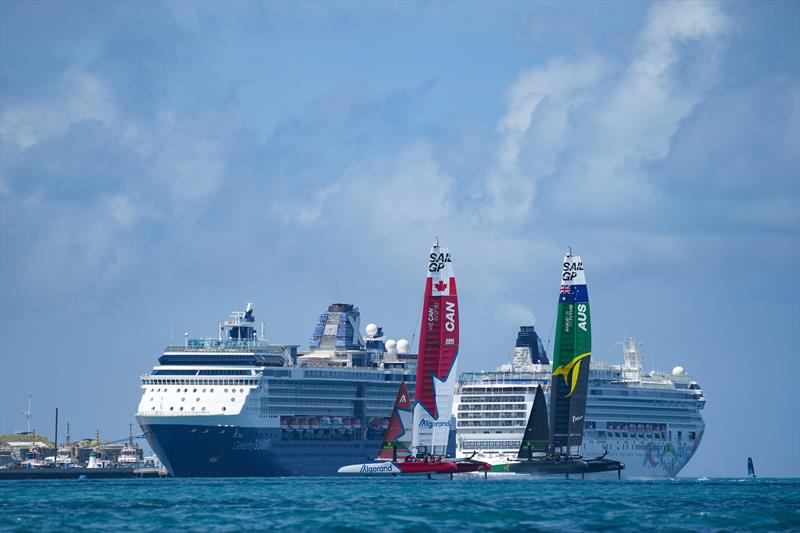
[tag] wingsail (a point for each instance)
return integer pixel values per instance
(537, 433)
(571, 356)
(397, 439)
(438, 356)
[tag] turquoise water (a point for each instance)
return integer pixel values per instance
(400, 504)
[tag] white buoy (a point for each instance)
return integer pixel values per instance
(391, 346)
(371, 329)
(402, 346)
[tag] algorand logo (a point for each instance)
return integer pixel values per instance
(386, 468)
(430, 424)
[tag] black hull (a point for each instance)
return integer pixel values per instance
(545, 467)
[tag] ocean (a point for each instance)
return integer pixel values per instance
(400, 505)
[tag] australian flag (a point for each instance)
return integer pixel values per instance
(573, 293)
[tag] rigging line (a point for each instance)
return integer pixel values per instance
(550, 332)
(414, 333)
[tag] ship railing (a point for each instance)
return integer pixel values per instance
(475, 378)
(225, 345)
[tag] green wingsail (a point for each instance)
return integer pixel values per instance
(571, 357)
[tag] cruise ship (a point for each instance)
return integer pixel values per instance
(236, 405)
(651, 421)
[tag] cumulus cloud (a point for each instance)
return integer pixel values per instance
(593, 128)
(518, 314)
(537, 120)
(75, 166)
(79, 96)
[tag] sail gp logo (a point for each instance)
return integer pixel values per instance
(430, 424)
(571, 270)
(437, 262)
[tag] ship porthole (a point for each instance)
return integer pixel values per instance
(212, 390)
(241, 390)
(194, 390)
(181, 408)
(226, 390)
(233, 399)
(203, 409)
(223, 408)
(204, 390)
(198, 399)
(171, 408)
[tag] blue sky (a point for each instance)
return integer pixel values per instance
(164, 163)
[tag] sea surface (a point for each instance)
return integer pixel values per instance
(400, 504)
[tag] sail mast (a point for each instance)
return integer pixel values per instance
(571, 359)
(437, 358)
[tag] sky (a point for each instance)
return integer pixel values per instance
(162, 164)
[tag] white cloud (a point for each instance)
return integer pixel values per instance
(593, 129)
(310, 211)
(80, 96)
(537, 120)
(517, 314)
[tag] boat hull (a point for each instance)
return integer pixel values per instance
(572, 466)
(188, 450)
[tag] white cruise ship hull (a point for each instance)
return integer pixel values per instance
(653, 426)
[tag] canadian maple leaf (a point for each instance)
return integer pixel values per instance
(440, 286)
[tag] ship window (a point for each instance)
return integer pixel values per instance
(194, 390)
(226, 390)
(171, 408)
(192, 408)
(241, 390)
(198, 399)
(212, 390)
(233, 399)
(183, 399)
(204, 390)
(202, 408)
(181, 408)
(153, 409)
(223, 407)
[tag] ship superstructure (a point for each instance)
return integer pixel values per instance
(237, 405)
(651, 421)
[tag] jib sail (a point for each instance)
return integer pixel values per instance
(537, 433)
(397, 439)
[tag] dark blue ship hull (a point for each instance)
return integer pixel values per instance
(196, 451)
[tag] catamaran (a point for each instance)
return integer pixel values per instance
(554, 447)
(437, 362)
